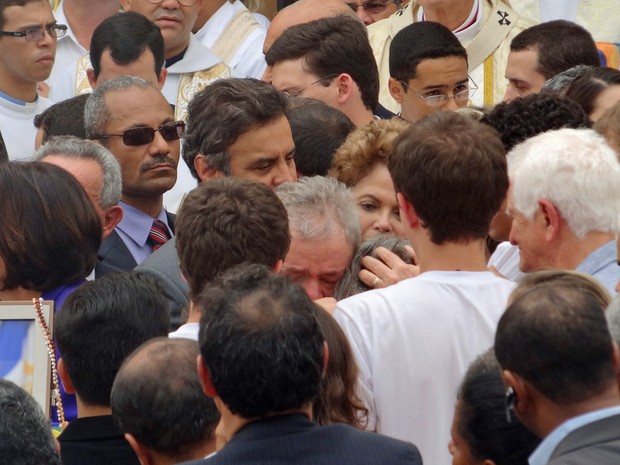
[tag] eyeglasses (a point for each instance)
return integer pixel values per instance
(35, 34)
(511, 400)
(296, 93)
(436, 100)
(145, 135)
(372, 6)
(181, 2)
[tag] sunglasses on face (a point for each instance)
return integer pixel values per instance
(145, 135)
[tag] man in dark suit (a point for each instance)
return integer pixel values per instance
(133, 120)
(560, 365)
(262, 358)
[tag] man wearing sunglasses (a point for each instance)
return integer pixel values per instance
(133, 120)
(28, 33)
(428, 71)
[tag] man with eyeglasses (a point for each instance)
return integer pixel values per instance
(484, 27)
(370, 11)
(329, 59)
(28, 33)
(133, 120)
(428, 71)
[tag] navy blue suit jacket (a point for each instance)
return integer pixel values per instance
(294, 439)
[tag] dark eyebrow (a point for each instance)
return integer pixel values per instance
(442, 86)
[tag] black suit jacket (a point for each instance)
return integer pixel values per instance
(95, 441)
(293, 439)
(114, 255)
(597, 443)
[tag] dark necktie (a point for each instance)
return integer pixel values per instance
(158, 235)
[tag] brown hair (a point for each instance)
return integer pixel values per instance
(608, 125)
(225, 222)
(338, 401)
(51, 231)
(453, 171)
(364, 148)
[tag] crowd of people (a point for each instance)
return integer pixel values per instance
(376, 232)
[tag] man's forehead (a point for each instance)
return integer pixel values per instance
(26, 14)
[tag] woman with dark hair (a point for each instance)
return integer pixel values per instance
(596, 91)
(49, 238)
(338, 402)
(484, 431)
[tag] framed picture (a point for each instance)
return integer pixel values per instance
(23, 350)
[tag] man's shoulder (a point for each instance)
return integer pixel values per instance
(596, 442)
(339, 443)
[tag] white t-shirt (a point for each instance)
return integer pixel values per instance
(17, 126)
(413, 343)
(186, 331)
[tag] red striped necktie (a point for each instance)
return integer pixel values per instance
(158, 235)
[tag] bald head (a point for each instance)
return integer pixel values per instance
(303, 11)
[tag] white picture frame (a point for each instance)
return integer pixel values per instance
(41, 368)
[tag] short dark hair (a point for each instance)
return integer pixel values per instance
(44, 244)
(4, 4)
(453, 171)
(482, 421)
(585, 89)
(560, 45)
(556, 338)
(252, 307)
(312, 120)
(332, 46)
(224, 110)
(227, 221)
(64, 118)
(158, 385)
(26, 435)
(101, 323)
(421, 41)
(528, 116)
(126, 36)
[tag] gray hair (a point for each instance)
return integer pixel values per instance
(319, 206)
(561, 81)
(613, 318)
(74, 148)
(24, 428)
(350, 283)
(96, 113)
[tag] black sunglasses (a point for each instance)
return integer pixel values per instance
(145, 135)
(511, 400)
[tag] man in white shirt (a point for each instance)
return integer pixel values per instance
(414, 340)
(230, 30)
(560, 363)
(28, 35)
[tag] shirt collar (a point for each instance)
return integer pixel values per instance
(137, 224)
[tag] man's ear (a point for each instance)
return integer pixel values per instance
(161, 79)
(346, 86)
(550, 218)
(144, 454)
(205, 377)
(278, 266)
(204, 170)
(523, 398)
(112, 216)
(64, 377)
(407, 212)
(396, 90)
(92, 80)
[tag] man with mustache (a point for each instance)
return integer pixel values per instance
(133, 120)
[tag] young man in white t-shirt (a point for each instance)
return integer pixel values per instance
(414, 340)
